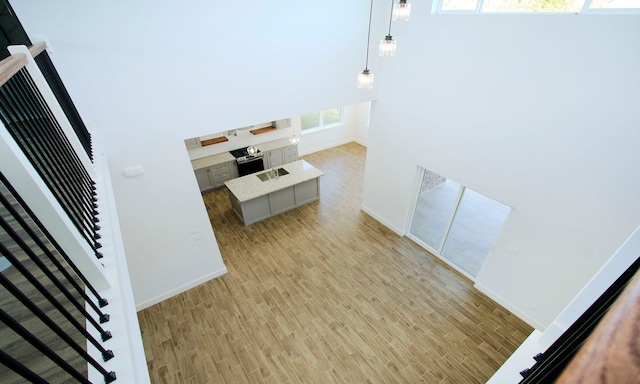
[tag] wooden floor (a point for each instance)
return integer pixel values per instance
(326, 294)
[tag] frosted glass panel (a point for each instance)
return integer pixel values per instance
(475, 226)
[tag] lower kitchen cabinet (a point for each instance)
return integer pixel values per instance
(204, 179)
(307, 191)
(214, 177)
(252, 210)
(282, 200)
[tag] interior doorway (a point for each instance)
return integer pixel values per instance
(455, 223)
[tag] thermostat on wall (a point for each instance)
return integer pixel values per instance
(134, 171)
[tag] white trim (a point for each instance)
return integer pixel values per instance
(328, 146)
(129, 363)
(397, 231)
(183, 288)
(511, 308)
(26, 181)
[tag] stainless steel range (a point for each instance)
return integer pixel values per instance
(248, 163)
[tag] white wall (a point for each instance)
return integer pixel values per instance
(539, 342)
(539, 112)
(149, 74)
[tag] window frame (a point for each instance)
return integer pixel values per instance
(321, 124)
(586, 9)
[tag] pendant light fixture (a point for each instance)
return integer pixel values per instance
(388, 45)
(365, 78)
(401, 11)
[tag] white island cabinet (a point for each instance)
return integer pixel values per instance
(254, 199)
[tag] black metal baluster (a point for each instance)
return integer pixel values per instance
(57, 133)
(65, 148)
(106, 355)
(33, 340)
(59, 90)
(34, 236)
(20, 369)
(105, 335)
(32, 103)
(101, 301)
(19, 125)
(37, 149)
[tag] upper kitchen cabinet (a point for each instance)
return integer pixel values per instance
(284, 123)
(192, 143)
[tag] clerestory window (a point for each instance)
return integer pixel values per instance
(535, 6)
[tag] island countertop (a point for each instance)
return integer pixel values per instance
(250, 186)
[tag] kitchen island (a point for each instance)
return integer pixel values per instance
(261, 195)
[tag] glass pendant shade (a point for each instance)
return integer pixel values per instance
(365, 79)
(388, 46)
(294, 139)
(252, 150)
(401, 11)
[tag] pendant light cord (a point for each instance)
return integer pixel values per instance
(366, 65)
(390, 18)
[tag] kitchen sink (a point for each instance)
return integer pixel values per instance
(271, 174)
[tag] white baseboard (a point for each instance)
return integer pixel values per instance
(179, 290)
(396, 230)
(361, 143)
(511, 308)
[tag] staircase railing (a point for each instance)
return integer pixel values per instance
(41, 57)
(50, 307)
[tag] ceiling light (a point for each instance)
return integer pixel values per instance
(401, 11)
(294, 139)
(388, 45)
(365, 78)
(252, 150)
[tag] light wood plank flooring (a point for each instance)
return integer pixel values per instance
(326, 294)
